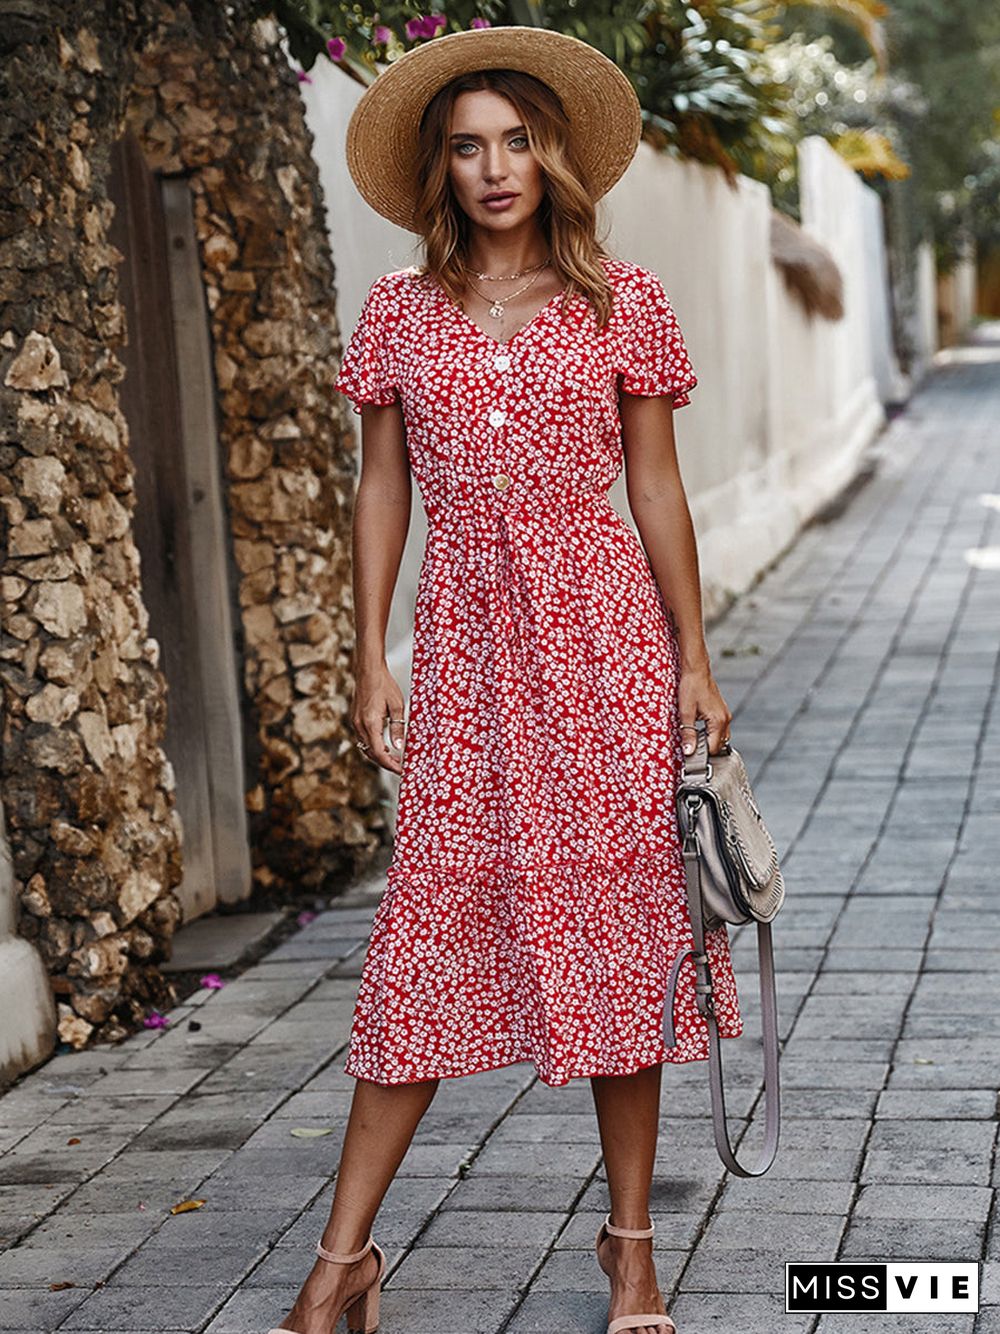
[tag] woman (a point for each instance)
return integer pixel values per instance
(535, 897)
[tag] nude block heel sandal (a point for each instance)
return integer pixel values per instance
(361, 1310)
(624, 1322)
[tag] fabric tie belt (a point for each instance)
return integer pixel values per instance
(486, 505)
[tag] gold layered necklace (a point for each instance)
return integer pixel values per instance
(497, 305)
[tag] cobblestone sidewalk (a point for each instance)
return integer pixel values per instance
(862, 675)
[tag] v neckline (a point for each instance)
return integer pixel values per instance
(497, 342)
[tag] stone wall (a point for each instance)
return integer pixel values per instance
(225, 111)
(86, 789)
(95, 841)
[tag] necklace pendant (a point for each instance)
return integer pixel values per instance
(496, 310)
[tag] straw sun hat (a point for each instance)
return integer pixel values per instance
(382, 134)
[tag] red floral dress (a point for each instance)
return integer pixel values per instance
(535, 898)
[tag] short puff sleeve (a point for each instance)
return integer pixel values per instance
(366, 373)
(652, 357)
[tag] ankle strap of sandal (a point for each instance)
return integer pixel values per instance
(635, 1232)
(342, 1257)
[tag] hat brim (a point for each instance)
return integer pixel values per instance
(382, 134)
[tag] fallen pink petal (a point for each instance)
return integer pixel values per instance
(155, 1020)
(211, 981)
(336, 47)
(305, 917)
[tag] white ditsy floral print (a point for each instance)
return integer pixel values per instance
(535, 898)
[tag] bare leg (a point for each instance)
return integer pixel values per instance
(379, 1130)
(627, 1112)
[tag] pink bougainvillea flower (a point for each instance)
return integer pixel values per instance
(155, 1020)
(212, 981)
(304, 918)
(302, 76)
(382, 34)
(426, 26)
(336, 47)
(480, 23)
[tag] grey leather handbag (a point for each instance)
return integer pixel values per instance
(733, 876)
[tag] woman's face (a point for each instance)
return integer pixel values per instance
(488, 155)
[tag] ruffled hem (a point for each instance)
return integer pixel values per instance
(564, 966)
(678, 392)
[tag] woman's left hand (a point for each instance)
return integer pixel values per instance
(699, 697)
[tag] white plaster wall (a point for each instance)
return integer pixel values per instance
(892, 385)
(966, 293)
(27, 1010)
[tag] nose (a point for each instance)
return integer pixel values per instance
(494, 163)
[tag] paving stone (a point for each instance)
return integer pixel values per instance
(68, 1229)
(787, 1195)
(540, 1160)
(159, 1264)
(845, 1322)
(328, 1107)
(526, 1127)
(724, 1312)
(773, 1231)
(515, 1193)
(133, 1111)
(407, 1204)
(937, 1104)
(28, 1309)
(159, 1081)
(971, 1136)
(938, 1165)
(747, 1269)
(914, 1201)
(459, 1227)
(429, 1312)
(40, 1266)
(459, 1267)
(23, 1207)
(262, 1069)
(827, 1104)
(274, 1191)
(119, 1308)
(949, 1239)
(808, 1164)
(182, 1167)
(844, 1074)
(22, 1168)
(567, 1312)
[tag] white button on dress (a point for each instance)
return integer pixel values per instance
(501, 481)
(501, 361)
(497, 417)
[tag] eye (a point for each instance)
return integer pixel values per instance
(468, 144)
(520, 139)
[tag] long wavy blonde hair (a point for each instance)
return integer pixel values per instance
(567, 213)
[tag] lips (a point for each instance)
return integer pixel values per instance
(504, 194)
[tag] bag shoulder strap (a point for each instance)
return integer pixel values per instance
(705, 1001)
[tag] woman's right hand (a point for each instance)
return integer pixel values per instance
(378, 699)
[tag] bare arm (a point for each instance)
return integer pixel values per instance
(381, 523)
(659, 506)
